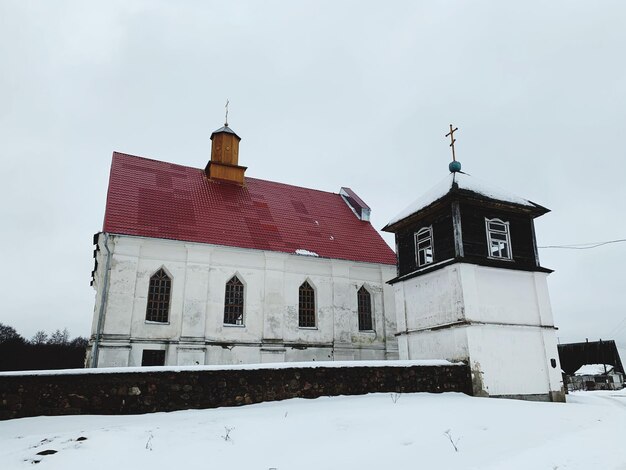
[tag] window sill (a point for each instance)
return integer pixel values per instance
(495, 258)
(368, 332)
(232, 325)
(307, 327)
(150, 322)
(420, 266)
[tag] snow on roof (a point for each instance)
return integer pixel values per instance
(464, 182)
(594, 369)
(303, 252)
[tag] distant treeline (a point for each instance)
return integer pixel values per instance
(55, 351)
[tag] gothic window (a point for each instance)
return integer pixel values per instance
(498, 239)
(424, 246)
(159, 297)
(364, 300)
(306, 306)
(233, 302)
(153, 357)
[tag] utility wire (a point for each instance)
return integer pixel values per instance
(584, 246)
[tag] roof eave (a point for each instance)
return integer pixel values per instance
(392, 227)
(535, 210)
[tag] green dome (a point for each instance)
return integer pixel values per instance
(454, 167)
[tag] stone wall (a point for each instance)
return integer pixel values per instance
(136, 392)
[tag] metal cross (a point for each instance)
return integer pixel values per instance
(452, 140)
(226, 120)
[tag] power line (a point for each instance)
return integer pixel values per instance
(584, 246)
(620, 326)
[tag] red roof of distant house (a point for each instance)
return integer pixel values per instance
(156, 199)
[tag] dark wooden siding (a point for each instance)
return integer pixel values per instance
(475, 236)
(574, 355)
(443, 240)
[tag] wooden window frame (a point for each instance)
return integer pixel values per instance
(425, 245)
(159, 297)
(307, 317)
(500, 237)
(234, 302)
(364, 309)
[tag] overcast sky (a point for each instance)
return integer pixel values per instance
(324, 95)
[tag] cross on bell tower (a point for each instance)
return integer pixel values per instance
(454, 165)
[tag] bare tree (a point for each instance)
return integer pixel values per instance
(8, 333)
(79, 342)
(59, 337)
(41, 337)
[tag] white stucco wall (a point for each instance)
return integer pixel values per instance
(429, 300)
(514, 360)
(196, 332)
(505, 295)
(498, 320)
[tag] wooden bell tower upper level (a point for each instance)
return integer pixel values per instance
(462, 219)
(465, 220)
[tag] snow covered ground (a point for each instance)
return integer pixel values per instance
(388, 431)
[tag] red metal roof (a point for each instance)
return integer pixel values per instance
(156, 199)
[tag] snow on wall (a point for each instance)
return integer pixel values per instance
(195, 368)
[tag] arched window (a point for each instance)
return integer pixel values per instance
(364, 300)
(424, 246)
(498, 239)
(159, 297)
(233, 302)
(306, 306)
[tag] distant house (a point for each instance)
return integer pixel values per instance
(592, 365)
(596, 377)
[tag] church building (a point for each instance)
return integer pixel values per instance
(470, 287)
(210, 266)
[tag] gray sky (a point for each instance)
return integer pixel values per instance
(324, 95)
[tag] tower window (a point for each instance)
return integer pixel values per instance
(306, 306)
(159, 297)
(424, 246)
(498, 239)
(364, 300)
(233, 302)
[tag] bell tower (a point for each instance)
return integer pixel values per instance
(224, 163)
(470, 287)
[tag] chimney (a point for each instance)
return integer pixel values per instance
(223, 165)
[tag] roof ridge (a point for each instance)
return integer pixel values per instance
(115, 152)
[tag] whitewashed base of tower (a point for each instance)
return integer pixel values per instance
(497, 320)
(196, 333)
